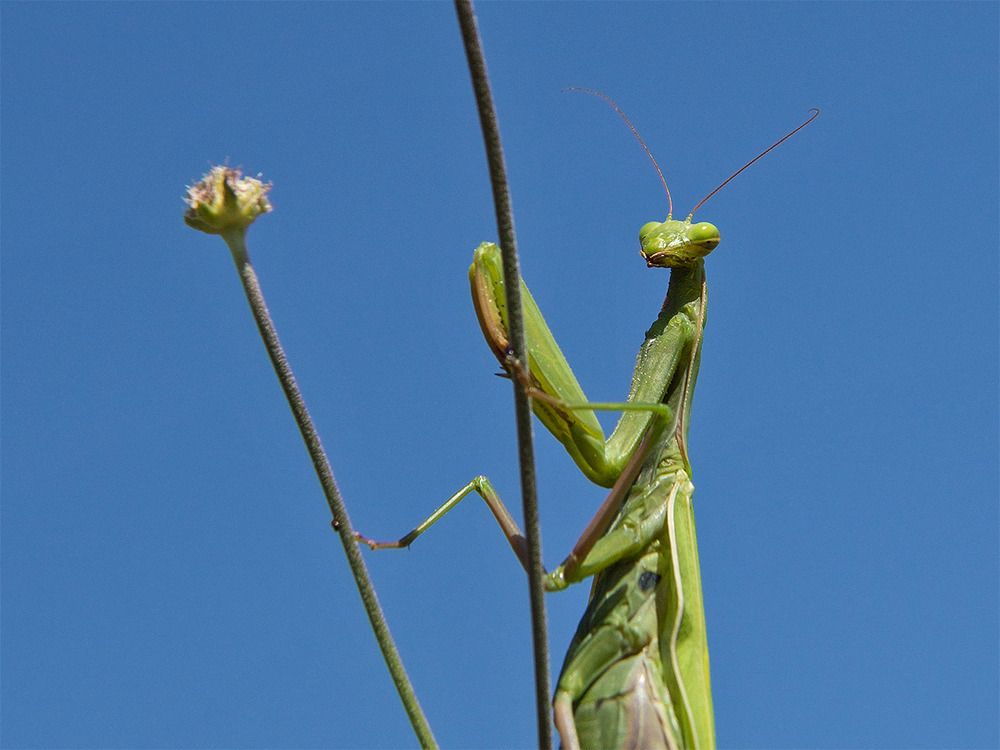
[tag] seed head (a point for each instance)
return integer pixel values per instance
(225, 201)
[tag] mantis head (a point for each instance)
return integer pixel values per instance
(676, 244)
(681, 244)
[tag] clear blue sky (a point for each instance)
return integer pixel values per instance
(169, 575)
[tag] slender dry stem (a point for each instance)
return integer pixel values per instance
(341, 522)
(522, 402)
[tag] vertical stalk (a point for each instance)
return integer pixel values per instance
(341, 522)
(522, 402)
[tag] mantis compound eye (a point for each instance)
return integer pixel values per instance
(647, 229)
(705, 235)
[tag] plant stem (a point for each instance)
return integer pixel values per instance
(522, 402)
(341, 523)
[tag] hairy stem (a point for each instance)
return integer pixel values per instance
(522, 402)
(341, 522)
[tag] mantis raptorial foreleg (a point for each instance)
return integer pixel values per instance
(578, 430)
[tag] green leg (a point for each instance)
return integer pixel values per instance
(481, 486)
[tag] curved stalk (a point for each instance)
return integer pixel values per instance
(522, 401)
(236, 241)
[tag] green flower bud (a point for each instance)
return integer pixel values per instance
(225, 201)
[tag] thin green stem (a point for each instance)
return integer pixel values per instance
(237, 245)
(522, 401)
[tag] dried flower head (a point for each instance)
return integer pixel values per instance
(225, 201)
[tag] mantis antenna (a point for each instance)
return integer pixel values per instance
(670, 204)
(815, 112)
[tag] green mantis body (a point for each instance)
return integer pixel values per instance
(636, 674)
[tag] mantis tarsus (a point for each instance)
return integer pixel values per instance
(636, 674)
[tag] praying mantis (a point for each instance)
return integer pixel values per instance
(637, 673)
